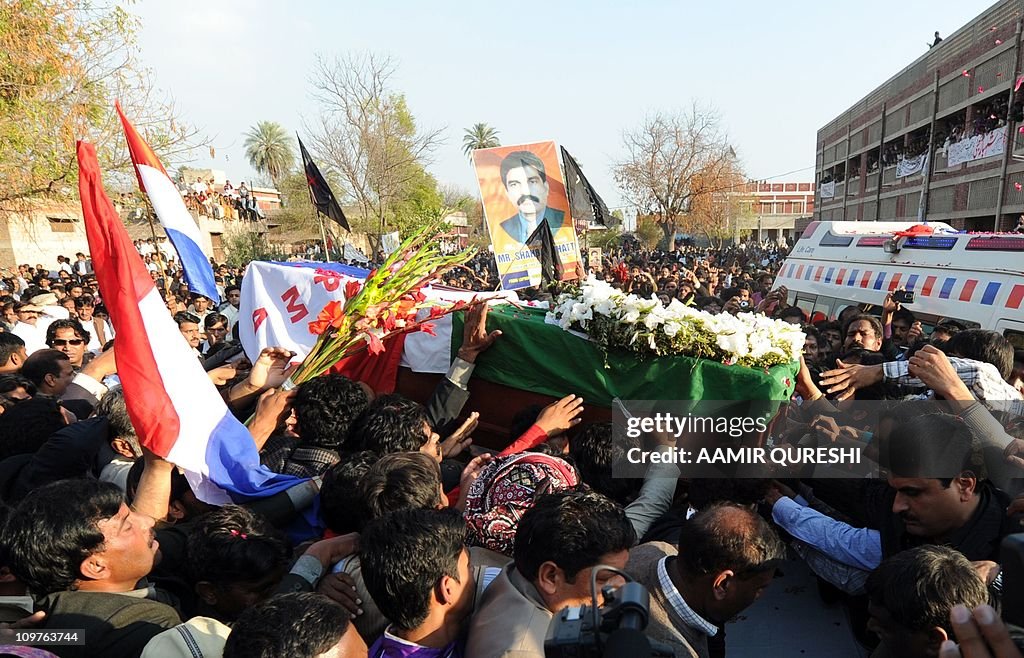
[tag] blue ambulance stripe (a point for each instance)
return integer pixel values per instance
(990, 293)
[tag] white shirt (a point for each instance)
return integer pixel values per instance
(34, 336)
(94, 341)
(231, 313)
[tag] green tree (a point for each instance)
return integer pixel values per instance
(269, 149)
(63, 63)
(480, 136)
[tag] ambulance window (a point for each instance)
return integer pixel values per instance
(805, 301)
(822, 305)
(1015, 337)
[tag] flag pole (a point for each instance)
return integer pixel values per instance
(159, 255)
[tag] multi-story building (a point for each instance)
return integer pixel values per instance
(941, 140)
(773, 209)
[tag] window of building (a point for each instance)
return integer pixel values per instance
(766, 208)
(62, 224)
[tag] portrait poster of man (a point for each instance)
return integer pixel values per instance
(522, 186)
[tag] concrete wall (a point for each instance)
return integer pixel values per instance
(32, 237)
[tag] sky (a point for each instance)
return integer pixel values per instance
(579, 72)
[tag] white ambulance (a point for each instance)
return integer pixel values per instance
(975, 278)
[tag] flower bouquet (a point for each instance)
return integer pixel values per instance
(385, 303)
(614, 319)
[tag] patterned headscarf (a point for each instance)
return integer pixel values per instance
(506, 488)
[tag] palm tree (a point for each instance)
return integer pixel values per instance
(480, 136)
(269, 150)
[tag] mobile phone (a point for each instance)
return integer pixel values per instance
(903, 296)
(1011, 561)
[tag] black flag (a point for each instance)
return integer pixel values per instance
(587, 205)
(550, 264)
(320, 192)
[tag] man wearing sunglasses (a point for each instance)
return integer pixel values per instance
(69, 337)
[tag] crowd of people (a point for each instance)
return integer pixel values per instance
(220, 202)
(427, 545)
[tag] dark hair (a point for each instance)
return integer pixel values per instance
(729, 293)
(74, 325)
(703, 302)
(573, 529)
(233, 287)
(11, 382)
(325, 408)
(593, 451)
(918, 587)
(934, 445)
(392, 423)
(905, 315)
(876, 324)
(231, 544)
(523, 420)
(213, 318)
(113, 407)
(983, 345)
(951, 327)
(28, 424)
(340, 500)
(50, 533)
(85, 300)
(9, 345)
(404, 554)
(402, 480)
(793, 311)
(184, 317)
(728, 536)
(293, 625)
(42, 363)
(521, 159)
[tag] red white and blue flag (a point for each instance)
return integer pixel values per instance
(175, 409)
(177, 221)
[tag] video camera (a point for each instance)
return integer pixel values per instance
(615, 630)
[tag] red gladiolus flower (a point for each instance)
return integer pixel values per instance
(351, 289)
(332, 315)
(376, 346)
(428, 328)
(437, 311)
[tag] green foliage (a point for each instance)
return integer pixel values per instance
(269, 149)
(648, 231)
(480, 136)
(63, 63)
(606, 239)
(245, 247)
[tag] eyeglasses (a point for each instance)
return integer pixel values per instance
(61, 342)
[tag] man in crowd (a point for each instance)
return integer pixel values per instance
(82, 552)
(229, 308)
(99, 330)
(865, 332)
(295, 625)
(558, 543)
(730, 556)
(188, 325)
(417, 569)
(911, 596)
(50, 371)
(69, 337)
(12, 353)
(28, 327)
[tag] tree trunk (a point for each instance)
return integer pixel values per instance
(668, 241)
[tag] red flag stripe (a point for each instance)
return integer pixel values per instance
(139, 149)
(124, 282)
